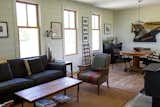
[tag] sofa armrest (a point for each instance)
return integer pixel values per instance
(57, 66)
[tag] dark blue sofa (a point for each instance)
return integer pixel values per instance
(14, 75)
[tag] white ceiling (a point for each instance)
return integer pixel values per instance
(118, 4)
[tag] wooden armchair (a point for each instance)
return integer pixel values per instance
(97, 72)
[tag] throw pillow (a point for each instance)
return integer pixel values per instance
(5, 72)
(27, 67)
(35, 65)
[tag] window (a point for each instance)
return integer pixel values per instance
(70, 37)
(28, 28)
(95, 32)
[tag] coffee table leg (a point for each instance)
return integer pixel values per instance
(65, 92)
(78, 93)
(22, 102)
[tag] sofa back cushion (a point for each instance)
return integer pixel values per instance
(35, 65)
(18, 68)
(44, 60)
(5, 72)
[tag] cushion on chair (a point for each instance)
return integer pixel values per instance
(5, 72)
(99, 61)
(90, 76)
(14, 85)
(18, 68)
(35, 65)
(46, 76)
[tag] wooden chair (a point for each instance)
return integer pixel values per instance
(97, 72)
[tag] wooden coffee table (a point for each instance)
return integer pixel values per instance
(35, 93)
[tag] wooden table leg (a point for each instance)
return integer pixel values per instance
(136, 62)
(78, 93)
(71, 70)
(22, 102)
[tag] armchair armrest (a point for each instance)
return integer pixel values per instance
(84, 67)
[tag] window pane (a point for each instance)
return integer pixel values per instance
(21, 14)
(72, 19)
(96, 21)
(66, 19)
(93, 21)
(29, 42)
(95, 39)
(32, 15)
(70, 42)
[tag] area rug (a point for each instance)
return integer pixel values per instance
(140, 100)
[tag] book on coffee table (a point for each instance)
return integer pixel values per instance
(61, 98)
(45, 103)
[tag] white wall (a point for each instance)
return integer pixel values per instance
(122, 25)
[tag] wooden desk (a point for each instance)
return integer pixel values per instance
(136, 56)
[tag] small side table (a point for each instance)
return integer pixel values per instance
(66, 63)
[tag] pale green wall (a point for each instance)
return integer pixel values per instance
(50, 10)
(122, 25)
(8, 45)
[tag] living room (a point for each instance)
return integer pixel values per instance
(61, 28)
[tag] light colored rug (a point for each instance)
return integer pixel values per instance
(140, 100)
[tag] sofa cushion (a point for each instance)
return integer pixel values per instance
(5, 72)
(90, 76)
(35, 65)
(18, 68)
(14, 85)
(44, 60)
(46, 76)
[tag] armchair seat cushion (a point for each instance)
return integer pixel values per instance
(46, 76)
(90, 76)
(14, 85)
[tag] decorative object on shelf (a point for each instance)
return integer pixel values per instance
(107, 29)
(56, 28)
(49, 54)
(86, 55)
(3, 30)
(49, 34)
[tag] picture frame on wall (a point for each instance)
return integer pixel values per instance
(107, 29)
(56, 28)
(85, 38)
(85, 21)
(85, 30)
(3, 29)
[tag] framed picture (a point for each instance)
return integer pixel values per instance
(56, 28)
(85, 30)
(107, 29)
(3, 30)
(85, 21)
(85, 38)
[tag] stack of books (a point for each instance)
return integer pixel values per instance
(61, 98)
(45, 103)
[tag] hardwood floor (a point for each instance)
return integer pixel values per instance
(123, 87)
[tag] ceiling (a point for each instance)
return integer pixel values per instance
(118, 4)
